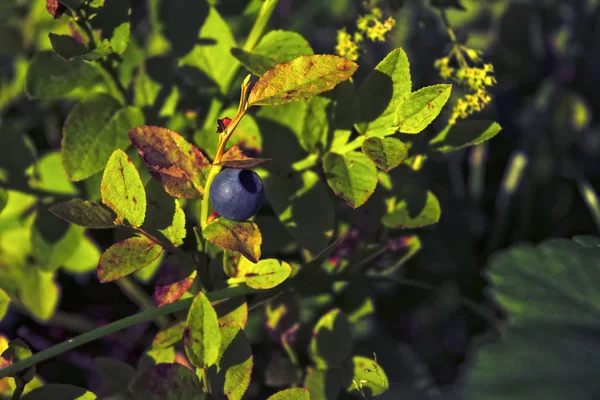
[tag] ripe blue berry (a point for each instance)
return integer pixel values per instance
(237, 194)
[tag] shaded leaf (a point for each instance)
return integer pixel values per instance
(122, 189)
(463, 134)
(281, 372)
(4, 303)
(71, 49)
(169, 337)
(367, 377)
(178, 165)
(115, 373)
(167, 382)
(126, 257)
(234, 365)
(381, 93)
(386, 153)
(291, 394)
(92, 131)
(352, 176)
(243, 237)
(315, 129)
(234, 309)
(323, 384)
(420, 108)
(165, 217)
(112, 23)
(173, 280)
(275, 47)
(331, 341)
(265, 274)
(202, 338)
(281, 314)
(303, 77)
(84, 213)
(39, 292)
(85, 259)
(49, 76)
(59, 391)
(235, 158)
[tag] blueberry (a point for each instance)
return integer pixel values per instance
(237, 194)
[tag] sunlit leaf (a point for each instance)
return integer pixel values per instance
(352, 176)
(291, 394)
(463, 134)
(126, 257)
(165, 217)
(243, 237)
(386, 153)
(4, 303)
(71, 49)
(265, 274)
(420, 108)
(202, 337)
(174, 278)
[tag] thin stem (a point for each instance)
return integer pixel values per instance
(72, 322)
(139, 297)
(260, 24)
(18, 392)
(117, 326)
(305, 163)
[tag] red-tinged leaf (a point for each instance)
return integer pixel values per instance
(172, 281)
(281, 314)
(169, 337)
(243, 237)
(178, 165)
(202, 338)
(303, 77)
(235, 158)
(55, 8)
(126, 257)
(222, 124)
(167, 381)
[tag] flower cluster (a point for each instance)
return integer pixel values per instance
(371, 25)
(474, 75)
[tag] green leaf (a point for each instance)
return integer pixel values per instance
(114, 373)
(463, 134)
(386, 153)
(550, 293)
(214, 59)
(331, 341)
(202, 338)
(174, 278)
(48, 174)
(234, 364)
(179, 166)
(38, 292)
(165, 217)
(71, 49)
(126, 257)
(169, 337)
(112, 23)
(315, 130)
(167, 382)
(49, 76)
(93, 130)
(367, 377)
(291, 394)
(84, 213)
(303, 77)
(323, 384)
(154, 357)
(4, 303)
(233, 309)
(85, 259)
(53, 241)
(243, 237)
(17, 351)
(3, 199)
(352, 176)
(275, 47)
(381, 93)
(304, 205)
(420, 108)
(59, 391)
(122, 189)
(413, 208)
(265, 274)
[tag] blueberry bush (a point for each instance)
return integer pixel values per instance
(205, 199)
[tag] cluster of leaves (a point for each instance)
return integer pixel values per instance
(317, 129)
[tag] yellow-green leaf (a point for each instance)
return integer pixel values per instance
(352, 176)
(420, 108)
(126, 257)
(386, 153)
(202, 337)
(265, 274)
(243, 237)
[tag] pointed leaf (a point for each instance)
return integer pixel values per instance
(93, 130)
(381, 93)
(168, 382)
(331, 341)
(367, 376)
(165, 217)
(126, 257)
(275, 47)
(173, 280)
(243, 237)
(49, 76)
(413, 209)
(71, 49)
(59, 391)
(202, 338)
(352, 176)
(122, 189)
(265, 274)
(178, 165)
(235, 158)
(234, 364)
(303, 77)
(463, 134)
(169, 337)
(386, 153)
(114, 373)
(4, 303)
(85, 213)
(420, 108)
(291, 394)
